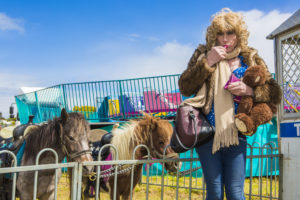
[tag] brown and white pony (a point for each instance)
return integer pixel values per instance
(153, 132)
(67, 135)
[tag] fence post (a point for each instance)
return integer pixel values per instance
(62, 88)
(122, 101)
(280, 190)
(38, 106)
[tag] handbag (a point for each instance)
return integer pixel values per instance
(192, 129)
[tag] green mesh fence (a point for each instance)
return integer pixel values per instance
(104, 101)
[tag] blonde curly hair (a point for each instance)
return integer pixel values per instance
(226, 20)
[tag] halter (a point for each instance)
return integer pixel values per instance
(65, 150)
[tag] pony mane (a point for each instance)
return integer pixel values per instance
(40, 137)
(125, 139)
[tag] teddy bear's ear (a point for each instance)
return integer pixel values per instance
(257, 79)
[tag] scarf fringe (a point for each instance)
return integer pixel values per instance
(225, 138)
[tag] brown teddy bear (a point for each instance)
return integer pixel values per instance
(252, 113)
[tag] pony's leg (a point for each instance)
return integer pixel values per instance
(47, 196)
(6, 188)
(85, 188)
(112, 195)
(111, 191)
(25, 193)
(126, 196)
(26, 196)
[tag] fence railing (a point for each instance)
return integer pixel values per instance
(14, 170)
(262, 181)
(262, 173)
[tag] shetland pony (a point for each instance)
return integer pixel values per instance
(67, 135)
(153, 132)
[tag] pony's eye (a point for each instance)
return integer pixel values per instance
(71, 138)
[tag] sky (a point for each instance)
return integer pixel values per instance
(50, 42)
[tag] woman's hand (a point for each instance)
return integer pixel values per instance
(215, 55)
(239, 88)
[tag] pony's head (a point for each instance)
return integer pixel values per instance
(74, 131)
(160, 133)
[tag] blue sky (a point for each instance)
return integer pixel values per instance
(44, 43)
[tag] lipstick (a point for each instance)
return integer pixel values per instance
(225, 46)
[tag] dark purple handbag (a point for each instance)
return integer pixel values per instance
(191, 129)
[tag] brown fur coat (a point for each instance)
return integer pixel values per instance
(198, 72)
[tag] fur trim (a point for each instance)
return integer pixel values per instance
(204, 63)
(210, 83)
(196, 73)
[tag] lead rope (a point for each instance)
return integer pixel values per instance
(93, 176)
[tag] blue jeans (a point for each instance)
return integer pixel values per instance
(224, 168)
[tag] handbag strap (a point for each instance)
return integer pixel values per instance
(192, 116)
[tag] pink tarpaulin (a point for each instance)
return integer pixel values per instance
(159, 102)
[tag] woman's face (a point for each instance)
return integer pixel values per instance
(227, 39)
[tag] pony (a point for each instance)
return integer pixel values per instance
(67, 135)
(153, 132)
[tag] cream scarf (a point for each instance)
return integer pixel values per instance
(226, 132)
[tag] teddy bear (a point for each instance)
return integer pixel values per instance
(250, 113)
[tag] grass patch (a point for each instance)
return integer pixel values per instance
(170, 190)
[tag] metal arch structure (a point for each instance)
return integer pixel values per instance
(287, 58)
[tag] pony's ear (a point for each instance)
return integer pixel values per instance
(146, 115)
(153, 124)
(148, 120)
(152, 120)
(63, 116)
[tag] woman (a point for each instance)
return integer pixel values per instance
(223, 158)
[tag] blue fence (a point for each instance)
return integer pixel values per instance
(104, 101)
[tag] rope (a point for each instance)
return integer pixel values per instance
(183, 173)
(92, 176)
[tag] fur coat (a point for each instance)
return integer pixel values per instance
(198, 72)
